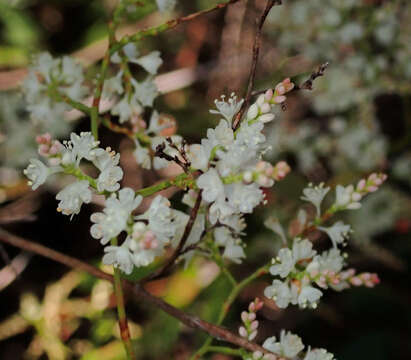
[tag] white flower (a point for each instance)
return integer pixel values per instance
(227, 108)
(224, 134)
(106, 161)
(344, 198)
(309, 295)
(280, 292)
(244, 198)
(113, 86)
(37, 173)
(338, 232)
(198, 157)
(162, 219)
(115, 215)
(273, 224)
(81, 146)
(109, 178)
(318, 354)
(142, 156)
(125, 109)
(166, 5)
(145, 92)
(233, 249)
(212, 186)
(250, 135)
(220, 210)
(120, 257)
(315, 195)
(284, 263)
(289, 346)
(73, 196)
(302, 250)
(150, 62)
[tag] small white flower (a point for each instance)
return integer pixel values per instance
(224, 134)
(284, 263)
(227, 108)
(125, 109)
(145, 92)
(81, 146)
(309, 295)
(273, 224)
(120, 257)
(109, 178)
(73, 196)
(338, 232)
(142, 156)
(289, 346)
(315, 195)
(150, 62)
(233, 250)
(318, 354)
(37, 173)
(280, 292)
(244, 197)
(198, 157)
(113, 220)
(344, 198)
(212, 185)
(302, 250)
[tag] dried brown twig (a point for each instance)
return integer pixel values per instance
(137, 291)
(253, 69)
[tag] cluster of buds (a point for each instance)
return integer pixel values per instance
(349, 197)
(371, 184)
(343, 279)
(143, 236)
(49, 148)
(249, 330)
(265, 174)
(282, 88)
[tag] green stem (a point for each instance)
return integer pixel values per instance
(227, 304)
(220, 262)
(224, 350)
(121, 311)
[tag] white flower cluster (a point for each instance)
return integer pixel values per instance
(300, 267)
(66, 157)
(47, 82)
(230, 160)
(289, 346)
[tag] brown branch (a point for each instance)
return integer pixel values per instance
(137, 291)
(253, 69)
(180, 247)
(308, 84)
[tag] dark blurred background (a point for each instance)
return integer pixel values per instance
(356, 120)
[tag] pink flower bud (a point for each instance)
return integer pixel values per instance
(254, 324)
(244, 316)
(269, 94)
(242, 331)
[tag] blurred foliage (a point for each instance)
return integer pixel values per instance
(356, 120)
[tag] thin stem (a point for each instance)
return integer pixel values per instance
(253, 69)
(227, 304)
(155, 30)
(137, 291)
(224, 350)
(121, 311)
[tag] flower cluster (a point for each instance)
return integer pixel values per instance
(300, 267)
(250, 325)
(48, 83)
